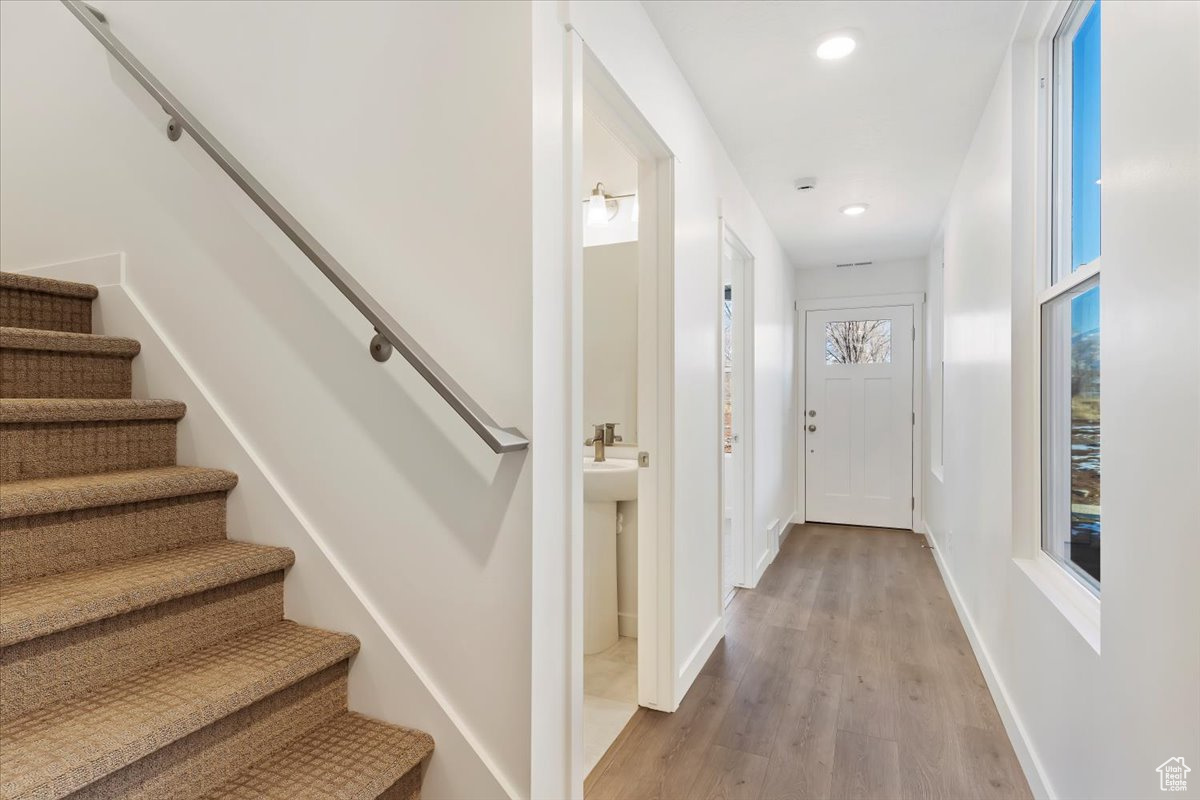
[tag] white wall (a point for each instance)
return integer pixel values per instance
(388, 129)
(887, 277)
(707, 187)
(610, 337)
(1151, 394)
(1087, 722)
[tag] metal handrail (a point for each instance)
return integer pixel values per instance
(389, 334)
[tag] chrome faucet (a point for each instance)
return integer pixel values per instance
(599, 434)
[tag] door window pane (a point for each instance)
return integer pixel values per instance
(858, 341)
(1071, 429)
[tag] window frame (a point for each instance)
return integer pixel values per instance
(1055, 255)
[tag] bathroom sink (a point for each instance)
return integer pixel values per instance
(610, 481)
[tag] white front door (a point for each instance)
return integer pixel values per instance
(858, 416)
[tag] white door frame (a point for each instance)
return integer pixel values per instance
(743, 317)
(656, 370)
(917, 301)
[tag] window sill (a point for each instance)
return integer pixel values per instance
(1079, 606)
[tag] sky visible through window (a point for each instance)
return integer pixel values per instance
(1085, 141)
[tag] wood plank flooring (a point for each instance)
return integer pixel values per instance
(844, 674)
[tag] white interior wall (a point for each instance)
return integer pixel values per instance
(1086, 723)
(433, 528)
(707, 187)
(885, 277)
(1150, 291)
(610, 336)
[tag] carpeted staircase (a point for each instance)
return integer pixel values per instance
(142, 653)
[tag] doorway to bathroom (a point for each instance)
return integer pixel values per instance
(610, 486)
(736, 360)
(623, 258)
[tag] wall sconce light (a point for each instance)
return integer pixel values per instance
(602, 207)
(599, 210)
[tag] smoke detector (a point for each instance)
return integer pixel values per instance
(805, 184)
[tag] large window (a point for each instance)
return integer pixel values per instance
(1070, 307)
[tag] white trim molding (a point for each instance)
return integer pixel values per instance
(1035, 774)
(699, 656)
(100, 271)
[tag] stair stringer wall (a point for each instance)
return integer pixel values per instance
(318, 590)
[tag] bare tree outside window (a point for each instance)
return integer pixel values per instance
(858, 341)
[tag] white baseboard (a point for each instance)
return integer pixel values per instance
(764, 561)
(627, 625)
(699, 656)
(1030, 764)
(787, 528)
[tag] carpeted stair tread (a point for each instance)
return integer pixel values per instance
(58, 749)
(351, 757)
(43, 606)
(53, 495)
(62, 342)
(16, 410)
(32, 283)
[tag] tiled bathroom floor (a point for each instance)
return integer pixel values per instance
(609, 697)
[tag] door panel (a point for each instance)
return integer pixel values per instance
(858, 423)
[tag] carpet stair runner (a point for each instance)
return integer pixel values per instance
(142, 653)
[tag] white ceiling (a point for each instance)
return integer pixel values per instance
(888, 126)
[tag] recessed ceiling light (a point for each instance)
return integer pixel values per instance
(838, 45)
(855, 209)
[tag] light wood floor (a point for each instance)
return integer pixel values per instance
(844, 674)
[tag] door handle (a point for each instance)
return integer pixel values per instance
(812, 428)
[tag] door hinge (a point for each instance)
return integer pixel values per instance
(914, 333)
(913, 504)
(914, 415)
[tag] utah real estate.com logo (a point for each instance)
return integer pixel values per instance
(1172, 775)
